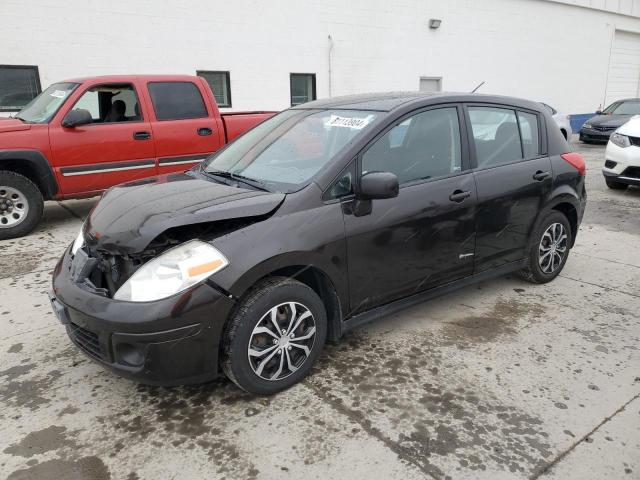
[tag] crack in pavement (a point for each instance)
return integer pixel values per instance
(635, 295)
(71, 212)
(354, 416)
(605, 259)
(547, 468)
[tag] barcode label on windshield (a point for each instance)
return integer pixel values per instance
(348, 122)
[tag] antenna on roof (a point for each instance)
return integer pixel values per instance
(474, 90)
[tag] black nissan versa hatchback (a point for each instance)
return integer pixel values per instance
(318, 220)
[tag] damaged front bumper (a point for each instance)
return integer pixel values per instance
(173, 341)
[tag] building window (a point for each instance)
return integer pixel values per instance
(220, 83)
(303, 88)
(19, 84)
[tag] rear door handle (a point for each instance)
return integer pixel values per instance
(540, 175)
(141, 136)
(459, 196)
(203, 132)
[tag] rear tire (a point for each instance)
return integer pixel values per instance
(550, 250)
(262, 359)
(21, 205)
(613, 185)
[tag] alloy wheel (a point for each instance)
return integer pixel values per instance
(553, 248)
(281, 341)
(14, 207)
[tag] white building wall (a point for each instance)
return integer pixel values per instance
(553, 51)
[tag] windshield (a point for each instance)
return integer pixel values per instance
(45, 105)
(623, 108)
(287, 150)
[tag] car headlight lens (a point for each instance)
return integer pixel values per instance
(620, 140)
(586, 125)
(172, 272)
(78, 243)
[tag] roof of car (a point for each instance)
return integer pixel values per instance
(389, 101)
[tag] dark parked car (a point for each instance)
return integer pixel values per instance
(600, 127)
(318, 220)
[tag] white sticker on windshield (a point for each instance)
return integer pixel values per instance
(348, 122)
(58, 93)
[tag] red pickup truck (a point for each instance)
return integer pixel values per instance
(80, 137)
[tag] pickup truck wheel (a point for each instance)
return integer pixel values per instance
(21, 205)
(274, 337)
(550, 249)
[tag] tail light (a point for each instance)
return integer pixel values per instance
(576, 160)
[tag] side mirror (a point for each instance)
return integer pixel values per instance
(378, 185)
(76, 118)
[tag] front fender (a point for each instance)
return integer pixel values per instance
(313, 238)
(36, 164)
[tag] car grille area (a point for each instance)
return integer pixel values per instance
(632, 172)
(603, 129)
(87, 340)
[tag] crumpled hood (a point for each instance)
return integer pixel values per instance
(608, 120)
(13, 125)
(131, 215)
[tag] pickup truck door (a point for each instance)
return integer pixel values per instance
(185, 122)
(117, 147)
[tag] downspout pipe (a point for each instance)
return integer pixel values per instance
(329, 58)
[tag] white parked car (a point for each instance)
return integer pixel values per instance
(562, 119)
(622, 157)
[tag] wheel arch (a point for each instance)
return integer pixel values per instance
(312, 276)
(33, 165)
(566, 202)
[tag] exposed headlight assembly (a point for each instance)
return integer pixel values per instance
(78, 243)
(620, 140)
(172, 272)
(586, 125)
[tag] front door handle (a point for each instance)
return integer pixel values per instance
(540, 175)
(459, 196)
(141, 136)
(203, 132)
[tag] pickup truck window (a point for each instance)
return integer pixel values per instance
(42, 108)
(287, 150)
(177, 100)
(110, 103)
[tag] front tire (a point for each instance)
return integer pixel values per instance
(21, 205)
(613, 185)
(274, 336)
(550, 250)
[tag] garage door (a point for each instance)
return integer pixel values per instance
(624, 67)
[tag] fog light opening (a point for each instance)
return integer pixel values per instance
(129, 354)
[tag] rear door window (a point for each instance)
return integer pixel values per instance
(177, 100)
(495, 135)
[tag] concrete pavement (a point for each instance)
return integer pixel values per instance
(499, 380)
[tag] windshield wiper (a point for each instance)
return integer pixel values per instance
(238, 178)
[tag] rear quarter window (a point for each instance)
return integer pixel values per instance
(177, 100)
